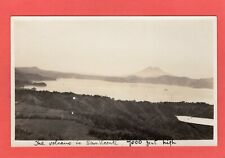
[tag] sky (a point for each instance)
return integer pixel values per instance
(116, 46)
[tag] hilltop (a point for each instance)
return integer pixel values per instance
(53, 115)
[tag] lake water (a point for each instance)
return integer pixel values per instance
(130, 91)
(135, 91)
(196, 120)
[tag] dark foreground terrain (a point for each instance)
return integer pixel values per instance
(43, 115)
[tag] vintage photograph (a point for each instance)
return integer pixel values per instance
(114, 78)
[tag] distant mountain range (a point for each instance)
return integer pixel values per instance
(151, 75)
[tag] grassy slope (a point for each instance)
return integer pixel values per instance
(48, 115)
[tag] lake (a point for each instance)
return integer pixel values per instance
(130, 91)
(135, 91)
(196, 120)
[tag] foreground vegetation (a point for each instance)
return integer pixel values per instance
(43, 115)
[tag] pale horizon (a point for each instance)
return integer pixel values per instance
(116, 46)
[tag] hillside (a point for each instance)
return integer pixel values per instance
(53, 115)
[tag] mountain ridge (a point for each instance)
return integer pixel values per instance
(22, 72)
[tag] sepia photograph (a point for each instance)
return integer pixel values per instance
(122, 78)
